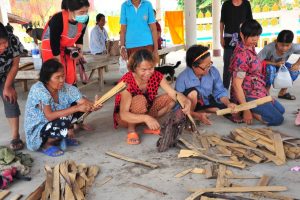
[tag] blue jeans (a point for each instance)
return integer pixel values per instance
(272, 70)
(271, 112)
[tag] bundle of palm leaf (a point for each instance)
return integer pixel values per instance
(171, 129)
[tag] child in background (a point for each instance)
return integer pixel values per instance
(276, 54)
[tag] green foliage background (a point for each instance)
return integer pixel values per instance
(205, 5)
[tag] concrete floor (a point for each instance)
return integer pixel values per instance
(104, 138)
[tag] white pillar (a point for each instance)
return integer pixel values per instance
(158, 10)
(190, 22)
(216, 14)
(3, 13)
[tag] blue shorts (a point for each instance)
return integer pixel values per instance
(272, 70)
(271, 112)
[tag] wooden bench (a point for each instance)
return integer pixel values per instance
(166, 50)
(94, 63)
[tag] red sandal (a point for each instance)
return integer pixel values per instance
(133, 138)
(150, 131)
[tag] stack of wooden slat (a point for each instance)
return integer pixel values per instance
(224, 185)
(5, 194)
(66, 181)
(257, 145)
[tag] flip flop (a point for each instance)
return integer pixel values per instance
(150, 131)
(72, 142)
(287, 96)
(64, 143)
(53, 151)
(16, 144)
(133, 138)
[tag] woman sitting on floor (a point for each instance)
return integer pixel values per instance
(248, 78)
(202, 84)
(276, 54)
(52, 105)
(139, 103)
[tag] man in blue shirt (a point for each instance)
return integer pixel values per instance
(138, 28)
(99, 36)
(202, 84)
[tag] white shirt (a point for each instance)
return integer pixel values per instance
(98, 40)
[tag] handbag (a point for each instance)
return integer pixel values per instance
(283, 78)
(123, 66)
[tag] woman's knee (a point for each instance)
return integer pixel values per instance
(276, 120)
(193, 96)
(138, 104)
(279, 107)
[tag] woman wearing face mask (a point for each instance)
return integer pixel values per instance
(64, 32)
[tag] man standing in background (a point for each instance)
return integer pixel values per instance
(36, 34)
(99, 36)
(233, 14)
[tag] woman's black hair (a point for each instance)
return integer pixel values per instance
(3, 32)
(99, 16)
(64, 5)
(285, 36)
(193, 52)
(49, 67)
(250, 28)
(73, 5)
(138, 57)
(9, 28)
(29, 29)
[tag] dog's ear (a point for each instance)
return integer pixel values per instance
(178, 63)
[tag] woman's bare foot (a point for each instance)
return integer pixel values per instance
(202, 117)
(71, 133)
(83, 126)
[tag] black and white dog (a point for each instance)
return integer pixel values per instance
(168, 70)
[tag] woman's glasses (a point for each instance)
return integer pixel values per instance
(206, 68)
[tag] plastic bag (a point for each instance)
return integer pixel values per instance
(123, 66)
(283, 78)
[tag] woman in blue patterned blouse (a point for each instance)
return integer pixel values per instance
(51, 107)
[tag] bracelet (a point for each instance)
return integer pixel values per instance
(123, 47)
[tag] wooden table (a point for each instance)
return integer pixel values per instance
(94, 63)
(164, 52)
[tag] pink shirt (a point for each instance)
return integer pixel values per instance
(245, 64)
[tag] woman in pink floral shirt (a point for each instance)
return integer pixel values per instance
(248, 78)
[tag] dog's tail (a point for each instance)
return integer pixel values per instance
(177, 64)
